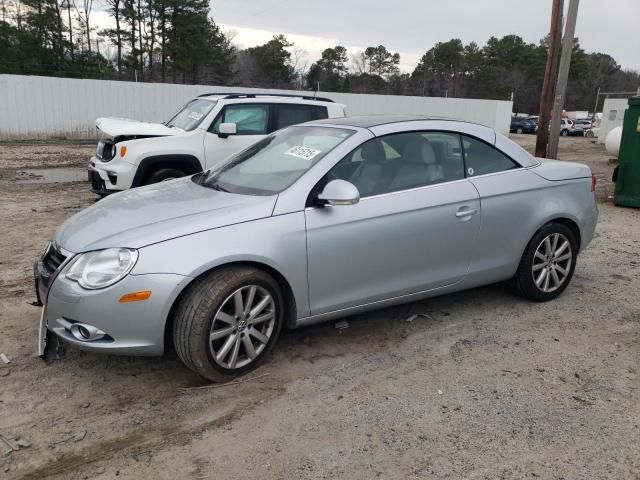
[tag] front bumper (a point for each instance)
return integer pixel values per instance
(98, 184)
(109, 177)
(135, 328)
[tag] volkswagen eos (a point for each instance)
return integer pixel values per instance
(314, 222)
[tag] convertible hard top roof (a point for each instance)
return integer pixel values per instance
(368, 121)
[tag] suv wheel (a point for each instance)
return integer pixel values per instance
(162, 175)
(564, 132)
(547, 265)
(227, 322)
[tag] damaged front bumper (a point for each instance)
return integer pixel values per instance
(95, 320)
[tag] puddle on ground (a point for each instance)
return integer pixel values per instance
(51, 175)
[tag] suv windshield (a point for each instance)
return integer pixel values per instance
(274, 163)
(191, 114)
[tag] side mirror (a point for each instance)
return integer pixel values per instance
(226, 129)
(339, 192)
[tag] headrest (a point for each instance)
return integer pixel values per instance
(373, 151)
(419, 152)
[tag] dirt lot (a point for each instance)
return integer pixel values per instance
(485, 386)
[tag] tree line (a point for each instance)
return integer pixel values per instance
(176, 41)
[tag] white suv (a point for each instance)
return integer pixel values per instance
(569, 127)
(206, 131)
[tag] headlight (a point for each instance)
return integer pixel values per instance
(106, 150)
(102, 268)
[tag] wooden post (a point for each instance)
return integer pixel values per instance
(548, 83)
(563, 77)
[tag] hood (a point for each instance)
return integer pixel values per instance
(146, 215)
(124, 126)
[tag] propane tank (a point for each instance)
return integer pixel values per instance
(612, 142)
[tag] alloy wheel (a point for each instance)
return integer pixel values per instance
(242, 327)
(552, 262)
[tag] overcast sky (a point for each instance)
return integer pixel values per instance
(411, 27)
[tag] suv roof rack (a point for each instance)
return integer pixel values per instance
(228, 95)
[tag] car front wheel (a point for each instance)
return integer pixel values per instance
(548, 263)
(227, 322)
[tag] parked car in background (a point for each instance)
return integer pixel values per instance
(535, 119)
(315, 222)
(592, 132)
(584, 122)
(203, 133)
(569, 127)
(522, 125)
(594, 128)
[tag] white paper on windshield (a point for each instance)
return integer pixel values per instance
(195, 115)
(305, 153)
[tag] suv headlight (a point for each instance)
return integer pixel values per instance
(102, 268)
(106, 150)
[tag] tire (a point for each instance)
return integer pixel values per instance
(209, 307)
(535, 264)
(163, 174)
(564, 133)
(588, 134)
(519, 131)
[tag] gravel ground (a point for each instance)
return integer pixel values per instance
(482, 386)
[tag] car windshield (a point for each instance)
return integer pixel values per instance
(191, 114)
(276, 162)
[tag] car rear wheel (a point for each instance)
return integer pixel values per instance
(163, 174)
(519, 130)
(564, 133)
(227, 322)
(548, 263)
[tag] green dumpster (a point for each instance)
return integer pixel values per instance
(627, 175)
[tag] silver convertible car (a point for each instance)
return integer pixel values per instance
(314, 222)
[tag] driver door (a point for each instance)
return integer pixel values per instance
(413, 230)
(252, 125)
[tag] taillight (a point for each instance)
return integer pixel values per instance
(593, 183)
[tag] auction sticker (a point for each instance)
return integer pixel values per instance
(195, 115)
(305, 153)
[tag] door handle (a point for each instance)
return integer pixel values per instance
(466, 212)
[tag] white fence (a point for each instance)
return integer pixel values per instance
(612, 116)
(44, 107)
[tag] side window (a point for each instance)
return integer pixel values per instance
(291, 114)
(481, 158)
(402, 161)
(321, 112)
(250, 119)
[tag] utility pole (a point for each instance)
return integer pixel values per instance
(563, 76)
(548, 83)
(595, 107)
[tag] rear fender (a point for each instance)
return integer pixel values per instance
(555, 170)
